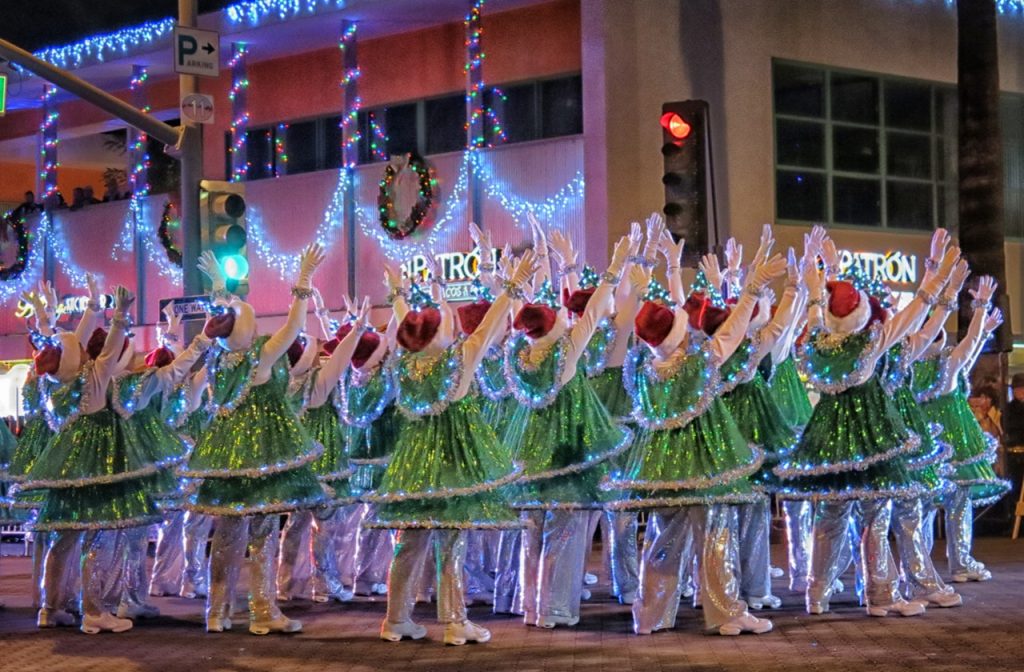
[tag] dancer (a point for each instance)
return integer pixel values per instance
(564, 447)
(692, 462)
(446, 470)
(855, 445)
(254, 457)
(940, 385)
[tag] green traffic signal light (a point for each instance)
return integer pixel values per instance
(236, 267)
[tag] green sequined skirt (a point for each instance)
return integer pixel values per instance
(275, 493)
(8, 444)
(983, 483)
(855, 447)
(705, 461)
(761, 423)
(35, 435)
(369, 449)
(259, 437)
(95, 449)
(194, 425)
(446, 472)
(566, 450)
(506, 416)
(960, 429)
(925, 464)
(609, 388)
(790, 394)
(332, 467)
(98, 507)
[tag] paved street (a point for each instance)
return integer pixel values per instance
(987, 634)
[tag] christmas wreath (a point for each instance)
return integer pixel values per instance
(164, 233)
(389, 220)
(16, 224)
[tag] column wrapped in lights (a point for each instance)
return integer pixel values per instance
(239, 111)
(48, 142)
(350, 137)
(138, 156)
(474, 68)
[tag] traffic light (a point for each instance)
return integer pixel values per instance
(222, 208)
(687, 179)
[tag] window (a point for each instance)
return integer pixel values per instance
(446, 124)
(859, 149)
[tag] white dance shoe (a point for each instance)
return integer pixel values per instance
(457, 634)
(764, 602)
(978, 574)
(943, 598)
(396, 632)
(281, 624)
(105, 622)
(52, 618)
(137, 611)
(900, 607)
(218, 623)
(745, 623)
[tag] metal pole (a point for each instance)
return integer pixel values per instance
(475, 109)
(350, 140)
(101, 99)
(191, 172)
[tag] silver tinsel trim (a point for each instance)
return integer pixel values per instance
(258, 472)
(943, 451)
(276, 507)
(537, 505)
(141, 521)
(491, 393)
(84, 399)
(230, 360)
(785, 471)
(711, 386)
(429, 524)
(620, 447)
(988, 501)
(701, 483)
(337, 475)
(515, 349)
(666, 502)
(1005, 486)
(749, 368)
(600, 363)
(444, 493)
(913, 490)
(848, 380)
(374, 462)
(126, 409)
(358, 379)
(456, 368)
(936, 389)
(106, 479)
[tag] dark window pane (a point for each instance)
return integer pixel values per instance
(940, 159)
(940, 195)
(332, 142)
(800, 196)
(856, 201)
(799, 90)
(909, 205)
(561, 107)
(259, 153)
(300, 146)
(855, 149)
(400, 122)
(800, 143)
(446, 124)
(517, 113)
(909, 155)
(855, 98)
(908, 105)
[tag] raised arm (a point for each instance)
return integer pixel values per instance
(784, 344)
(330, 372)
(111, 352)
(485, 248)
(398, 293)
(964, 351)
(598, 308)
(278, 344)
(673, 253)
(734, 329)
(323, 315)
(922, 336)
(492, 327)
(772, 333)
(992, 322)
(540, 248)
(927, 295)
(565, 256)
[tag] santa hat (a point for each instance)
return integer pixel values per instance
(418, 328)
(472, 314)
(848, 308)
(94, 346)
(879, 313)
(577, 301)
(536, 319)
(367, 345)
(714, 317)
(695, 306)
(233, 322)
(653, 323)
(159, 357)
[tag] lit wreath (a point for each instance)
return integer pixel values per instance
(164, 234)
(15, 270)
(389, 221)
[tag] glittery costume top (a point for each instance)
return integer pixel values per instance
(855, 445)
(789, 393)
(366, 401)
(255, 455)
(448, 465)
(500, 408)
(35, 434)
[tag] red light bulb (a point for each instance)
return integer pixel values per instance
(675, 125)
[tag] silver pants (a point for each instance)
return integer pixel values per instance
(959, 521)
(479, 562)
(551, 564)
(169, 563)
(928, 524)
(227, 553)
(294, 568)
(621, 551)
(134, 578)
(95, 549)
(411, 550)
(916, 564)
(831, 526)
(346, 532)
(39, 543)
(110, 561)
(374, 551)
(799, 517)
(755, 522)
(197, 534)
(326, 574)
(508, 598)
(61, 552)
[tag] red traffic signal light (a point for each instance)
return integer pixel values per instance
(675, 125)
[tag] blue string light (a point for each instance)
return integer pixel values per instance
(254, 12)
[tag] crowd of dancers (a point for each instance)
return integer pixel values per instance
(493, 438)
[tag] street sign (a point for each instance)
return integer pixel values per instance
(196, 52)
(197, 108)
(3, 94)
(188, 307)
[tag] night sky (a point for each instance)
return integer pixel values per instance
(35, 24)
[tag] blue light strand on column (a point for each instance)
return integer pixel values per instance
(48, 142)
(239, 112)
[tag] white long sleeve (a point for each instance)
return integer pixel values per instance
(598, 308)
(197, 385)
(733, 331)
(326, 379)
(489, 332)
(278, 344)
(921, 337)
(784, 345)
(86, 325)
(962, 353)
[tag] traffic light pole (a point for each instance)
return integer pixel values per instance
(191, 172)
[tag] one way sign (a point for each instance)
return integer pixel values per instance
(196, 52)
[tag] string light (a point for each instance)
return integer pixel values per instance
(48, 142)
(254, 12)
(281, 156)
(350, 134)
(378, 139)
(239, 112)
(473, 68)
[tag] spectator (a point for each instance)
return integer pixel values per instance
(28, 206)
(90, 196)
(1013, 437)
(112, 192)
(78, 199)
(985, 404)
